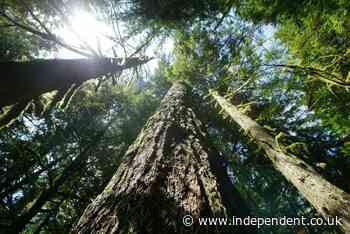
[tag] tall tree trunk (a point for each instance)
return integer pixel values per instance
(329, 200)
(165, 175)
(23, 81)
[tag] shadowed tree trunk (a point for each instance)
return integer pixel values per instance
(9, 187)
(168, 172)
(23, 81)
(329, 200)
(18, 224)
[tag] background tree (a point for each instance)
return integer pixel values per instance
(293, 81)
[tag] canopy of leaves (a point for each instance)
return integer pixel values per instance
(316, 34)
(173, 13)
(292, 79)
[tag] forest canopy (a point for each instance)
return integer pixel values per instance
(126, 116)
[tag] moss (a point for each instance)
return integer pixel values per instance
(297, 148)
(11, 113)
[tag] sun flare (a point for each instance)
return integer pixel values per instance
(85, 31)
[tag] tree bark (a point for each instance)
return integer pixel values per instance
(165, 175)
(23, 81)
(329, 200)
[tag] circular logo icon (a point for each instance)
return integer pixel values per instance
(187, 220)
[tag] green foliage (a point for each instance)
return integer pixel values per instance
(316, 35)
(174, 13)
(285, 83)
(219, 57)
(13, 47)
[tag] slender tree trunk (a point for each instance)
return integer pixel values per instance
(8, 189)
(23, 81)
(329, 200)
(52, 213)
(165, 175)
(44, 196)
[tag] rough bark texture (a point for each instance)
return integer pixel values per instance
(22, 81)
(329, 200)
(165, 175)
